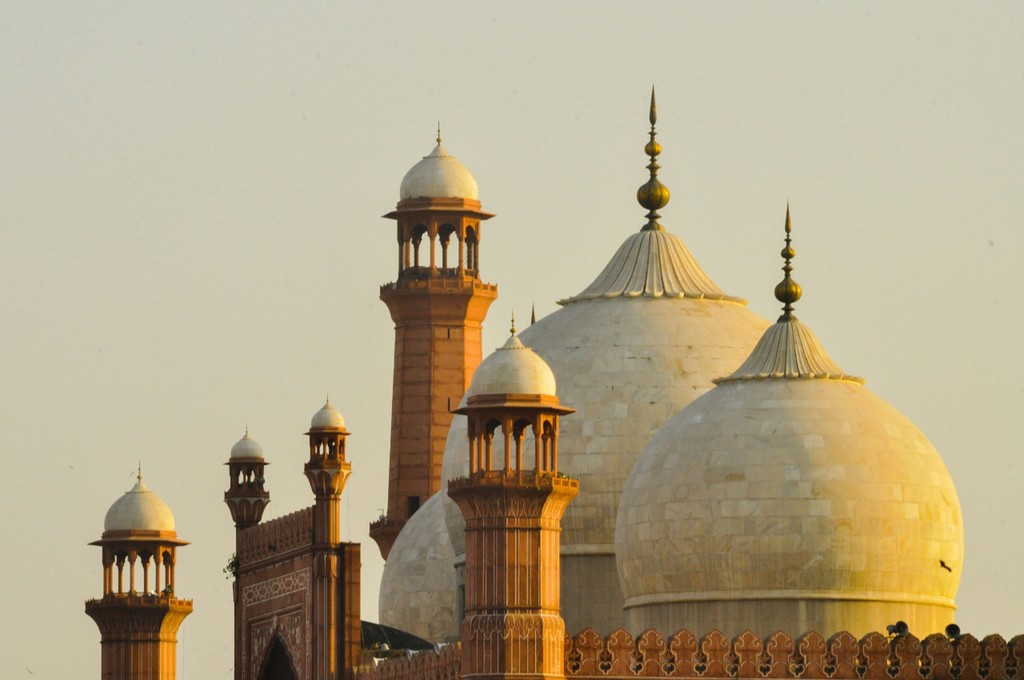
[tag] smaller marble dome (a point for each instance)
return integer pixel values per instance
(246, 447)
(418, 587)
(139, 510)
(327, 418)
(439, 175)
(513, 368)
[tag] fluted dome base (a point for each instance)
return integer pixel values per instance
(794, 616)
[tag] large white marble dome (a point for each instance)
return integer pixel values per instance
(645, 339)
(789, 497)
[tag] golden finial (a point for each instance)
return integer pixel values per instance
(653, 195)
(439, 132)
(512, 330)
(788, 291)
(139, 475)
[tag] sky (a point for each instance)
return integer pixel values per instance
(191, 240)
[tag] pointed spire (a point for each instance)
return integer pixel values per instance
(139, 475)
(512, 330)
(788, 291)
(533, 314)
(653, 195)
(439, 133)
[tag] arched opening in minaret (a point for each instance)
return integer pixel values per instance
(472, 254)
(277, 664)
(444, 235)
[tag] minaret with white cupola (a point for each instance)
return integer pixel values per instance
(513, 500)
(438, 303)
(139, 613)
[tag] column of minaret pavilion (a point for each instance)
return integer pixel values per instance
(513, 500)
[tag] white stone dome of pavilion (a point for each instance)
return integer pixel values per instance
(512, 369)
(139, 509)
(327, 418)
(246, 447)
(439, 175)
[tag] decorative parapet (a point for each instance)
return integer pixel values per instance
(875, 656)
(715, 657)
(441, 664)
(293, 532)
(422, 278)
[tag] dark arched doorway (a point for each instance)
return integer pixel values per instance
(277, 665)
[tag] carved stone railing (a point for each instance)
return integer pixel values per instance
(430, 665)
(875, 656)
(294, 531)
(588, 656)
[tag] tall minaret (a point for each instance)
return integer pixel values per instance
(513, 500)
(138, 619)
(438, 304)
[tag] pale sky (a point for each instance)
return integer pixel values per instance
(191, 240)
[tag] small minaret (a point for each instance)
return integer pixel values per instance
(513, 501)
(438, 303)
(138, 615)
(246, 496)
(327, 471)
(335, 602)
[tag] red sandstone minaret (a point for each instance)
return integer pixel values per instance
(438, 304)
(513, 500)
(138, 620)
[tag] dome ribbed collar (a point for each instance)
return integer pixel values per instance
(652, 264)
(789, 350)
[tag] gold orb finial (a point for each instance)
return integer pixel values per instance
(439, 132)
(512, 330)
(138, 476)
(788, 291)
(653, 195)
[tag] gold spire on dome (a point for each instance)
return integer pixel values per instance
(439, 133)
(788, 291)
(788, 349)
(512, 330)
(139, 475)
(653, 195)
